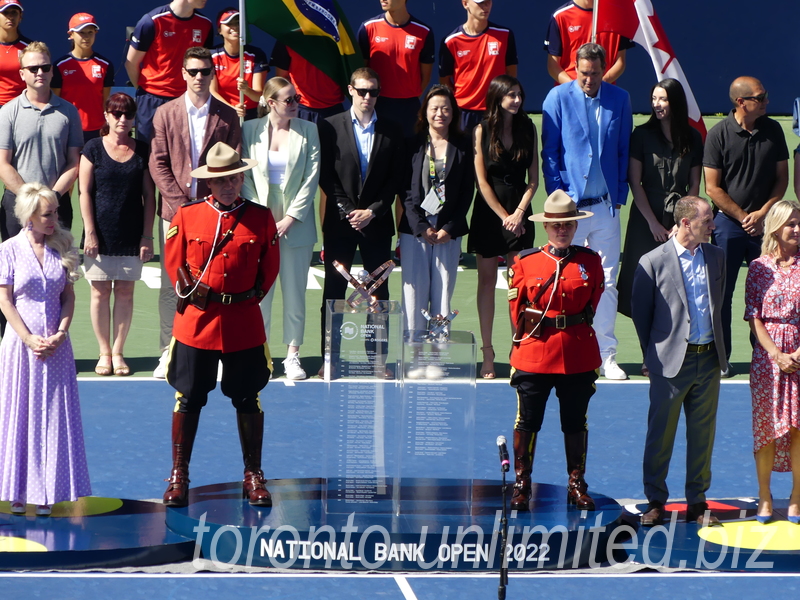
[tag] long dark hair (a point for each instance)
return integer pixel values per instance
(521, 131)
(679, 127)
(422, 124)
(119, 101)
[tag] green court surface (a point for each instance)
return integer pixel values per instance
(142, 352)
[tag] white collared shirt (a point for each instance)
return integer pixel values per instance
(198, 117)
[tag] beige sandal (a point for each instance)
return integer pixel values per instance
(122, 370)
(103, 370)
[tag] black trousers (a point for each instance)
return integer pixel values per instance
(193, 373)
(374, 252)
(573, 392)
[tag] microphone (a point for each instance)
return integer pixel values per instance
(501, 447)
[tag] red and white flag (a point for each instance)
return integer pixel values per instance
(637, 20)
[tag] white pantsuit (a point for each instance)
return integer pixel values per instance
(294, 197)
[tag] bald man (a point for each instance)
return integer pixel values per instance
(746, 166)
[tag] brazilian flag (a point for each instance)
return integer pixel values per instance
(316, 29)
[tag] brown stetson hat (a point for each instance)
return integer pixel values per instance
(221, 161)
(559, 207)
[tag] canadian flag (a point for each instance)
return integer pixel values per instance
(637, 20)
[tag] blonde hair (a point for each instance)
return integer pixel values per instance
(776, 218)
(271, 89)
(37, 47)
(29, 201)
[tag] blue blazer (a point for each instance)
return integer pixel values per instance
(566, 151)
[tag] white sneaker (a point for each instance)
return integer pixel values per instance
(611, 370)
(293, 369)
(161, 370)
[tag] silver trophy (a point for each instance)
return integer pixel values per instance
(438, 326)
(365, 284)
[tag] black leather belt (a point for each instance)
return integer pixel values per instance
(232, 298)
(591, 201)
(564, 321)
(699, 348)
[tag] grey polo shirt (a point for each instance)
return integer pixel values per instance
(39, 139)
(748, 161)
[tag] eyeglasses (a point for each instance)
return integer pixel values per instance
(374, 92)
(35, 68)
(117, 114)
(760, 98)
(290, 100)
(205, 72)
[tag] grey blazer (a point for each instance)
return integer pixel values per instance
(660, 311)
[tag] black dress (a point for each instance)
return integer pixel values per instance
(664, 171)
(508, 179)
(117, 198)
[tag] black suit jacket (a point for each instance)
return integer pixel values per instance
(459, 185)
(340, 175)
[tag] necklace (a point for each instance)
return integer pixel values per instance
(118, 151)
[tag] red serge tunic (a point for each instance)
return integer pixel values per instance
(251, 253)
(563, 351)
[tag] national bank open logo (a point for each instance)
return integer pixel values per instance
(348, 330)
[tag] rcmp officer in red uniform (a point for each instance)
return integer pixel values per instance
(222, 255)
(554, 291)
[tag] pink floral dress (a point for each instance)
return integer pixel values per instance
(773, 296)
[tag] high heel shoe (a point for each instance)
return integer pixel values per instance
(794, 519)
(764, 519)
(487, 372)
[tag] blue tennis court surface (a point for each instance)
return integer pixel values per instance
(127, 425)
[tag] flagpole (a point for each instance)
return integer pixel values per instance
(594, 21)
(242, 28)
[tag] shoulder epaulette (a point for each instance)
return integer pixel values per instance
(193, 202)
(585, 249)
(525, 253)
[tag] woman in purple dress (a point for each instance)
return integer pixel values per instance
(42, 458)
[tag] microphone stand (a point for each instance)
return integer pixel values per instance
(501, 590)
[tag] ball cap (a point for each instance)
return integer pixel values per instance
(4, 4)
(80, 21)
(227, 17)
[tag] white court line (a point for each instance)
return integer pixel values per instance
(396, 577)
(402, 583)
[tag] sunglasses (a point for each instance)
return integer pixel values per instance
(35, 68)
(760, 98)
(290, 100)
(117, 114)
(205, 72)
(374, 92)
